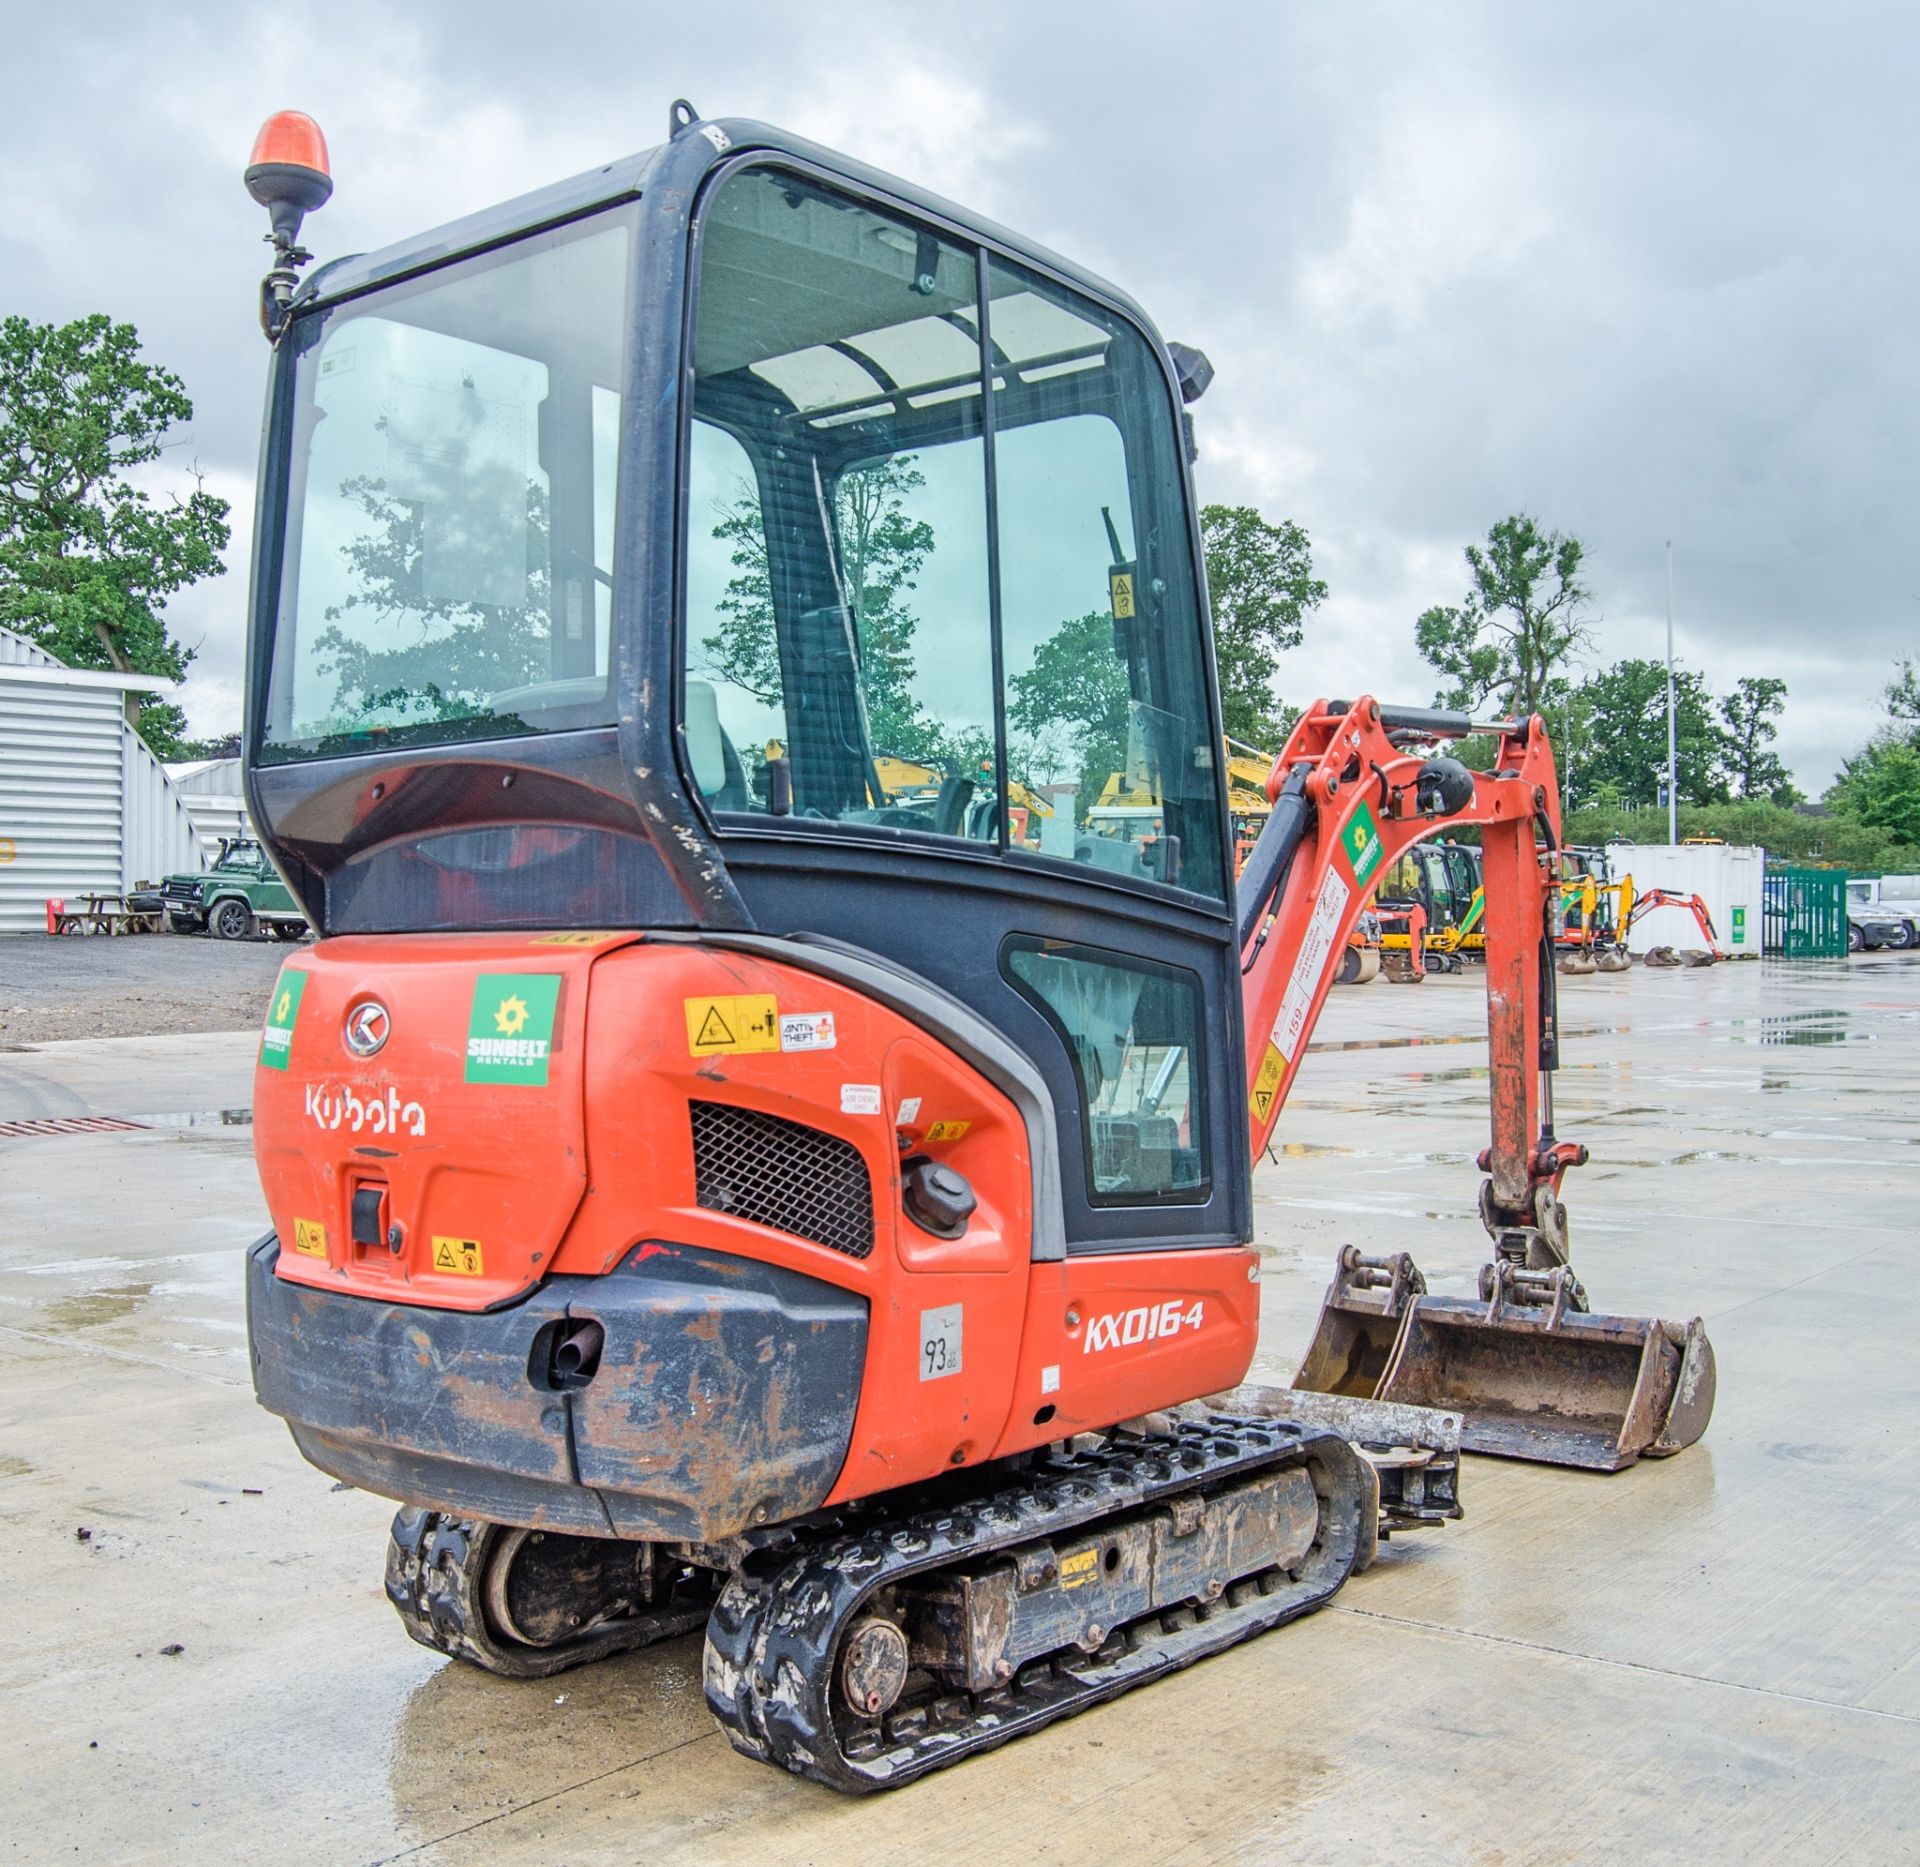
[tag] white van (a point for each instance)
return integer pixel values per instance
(1888, 897)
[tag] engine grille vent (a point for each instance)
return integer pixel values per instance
(784, 1174)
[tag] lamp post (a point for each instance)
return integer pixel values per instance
(1673, 756)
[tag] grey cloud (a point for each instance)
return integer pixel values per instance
(1647, 272)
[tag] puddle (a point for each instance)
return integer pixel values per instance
(201, 1118)
(1455, 1037)
(93, 1307)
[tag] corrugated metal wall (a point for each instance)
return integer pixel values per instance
(17, 652)
(61, 775)
(213, 792)
(85, 807)
(158, 833)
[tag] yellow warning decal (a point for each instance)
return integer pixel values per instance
(1266, 1084)
(310, 1238)
(1120, 589)
(458, 1257)
(716, 1026)
(583, 937)
(1077, 1570)
(948, 1130)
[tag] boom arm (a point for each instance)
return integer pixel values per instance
(1351, 792)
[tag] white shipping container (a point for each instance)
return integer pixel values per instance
(1730, 879)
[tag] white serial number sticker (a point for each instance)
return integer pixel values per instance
(1316, 948)
(939, 1342)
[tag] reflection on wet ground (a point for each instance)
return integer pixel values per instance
(108, 1303)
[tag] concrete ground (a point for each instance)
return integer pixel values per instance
(131, 985)
(1712, 1658)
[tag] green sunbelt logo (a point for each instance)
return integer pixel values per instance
(510, 1034)
(276, 1041)
(1362, 838)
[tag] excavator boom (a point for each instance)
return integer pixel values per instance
(1533, 1373)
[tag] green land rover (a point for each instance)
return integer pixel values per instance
(237, 896)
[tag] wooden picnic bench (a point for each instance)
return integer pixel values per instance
(104, 914)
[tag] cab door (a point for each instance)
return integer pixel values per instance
(947, 690)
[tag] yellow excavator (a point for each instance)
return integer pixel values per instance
(1432, 910)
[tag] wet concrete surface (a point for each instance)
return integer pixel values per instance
(1714, 1657)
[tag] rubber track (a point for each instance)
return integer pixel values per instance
(436, 1572)
(775, 1632)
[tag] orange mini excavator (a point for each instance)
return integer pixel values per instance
(709, 1190)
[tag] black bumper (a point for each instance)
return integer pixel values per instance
(724, 1395)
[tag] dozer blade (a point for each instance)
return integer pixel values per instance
(1359, 1324)
(1537, 1379)
(1414, 1451)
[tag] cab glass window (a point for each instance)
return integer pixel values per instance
(838, 635)
(847, 615)
(449, 559)
(1131, 1028)
(1108, 722)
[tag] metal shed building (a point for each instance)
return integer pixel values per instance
(215, 798)
(85, 807)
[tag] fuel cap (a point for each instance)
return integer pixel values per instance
(938, 1198)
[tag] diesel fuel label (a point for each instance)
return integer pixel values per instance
(510, 1030)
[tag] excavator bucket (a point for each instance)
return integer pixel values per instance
(1534, 1378)
(1359, 1326)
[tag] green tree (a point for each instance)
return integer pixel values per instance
(1524, 615)
(1751, 766)
(1903, 695)
(87, 558)
(1880, 787)
(1810, 836)
(882, 548)
(1261, 587)
(1622, 733)
(1070, 710)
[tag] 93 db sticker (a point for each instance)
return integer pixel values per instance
(510, 1030)
(939, 1342)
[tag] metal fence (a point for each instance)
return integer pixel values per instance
(1805, 913)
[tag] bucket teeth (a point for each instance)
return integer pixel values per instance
(1532, 1373)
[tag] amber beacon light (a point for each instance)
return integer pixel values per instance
(288, 175)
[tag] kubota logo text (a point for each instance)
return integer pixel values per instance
(1126, 1327)
(333, 1108)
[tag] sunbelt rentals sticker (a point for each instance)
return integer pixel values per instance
(276, 1041)
(1362, 840)
(510, 1034)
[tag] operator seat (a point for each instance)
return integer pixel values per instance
(717, 767)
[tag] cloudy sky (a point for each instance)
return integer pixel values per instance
(1646, 272)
